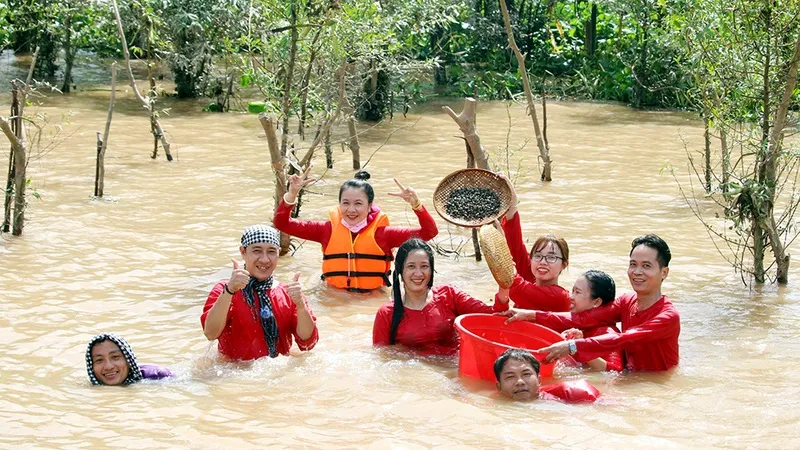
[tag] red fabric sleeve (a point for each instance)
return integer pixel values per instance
(528, 295)
(216, 291)
(382, 325)
(575, 391)
(312, 230)
(613, 359)
(465, 303)
(519, 253)
(391, 237)
(664, 325)
(304, 344)
(595, 317)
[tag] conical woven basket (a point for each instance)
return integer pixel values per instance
(498, 256)
(471, 178)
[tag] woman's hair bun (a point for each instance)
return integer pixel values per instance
(361, 175)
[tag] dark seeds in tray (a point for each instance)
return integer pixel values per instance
(472, 203)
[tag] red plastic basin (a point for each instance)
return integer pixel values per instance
(484, 337)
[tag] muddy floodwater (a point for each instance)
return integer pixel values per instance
(140, 263)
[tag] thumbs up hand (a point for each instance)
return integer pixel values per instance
(296, 291)
(239, 277)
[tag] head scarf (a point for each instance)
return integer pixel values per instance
(262, 234)
(134, 374)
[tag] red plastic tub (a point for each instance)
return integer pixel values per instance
(484, 337)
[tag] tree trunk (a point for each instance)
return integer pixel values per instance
(726, 157)
(17, 141)
(707, 151)
(328, 150)
(466, 123)
(156, 129)
(774, 150)
(69, 54)
(301, 127)
(269, 125)
(10, 180)
(355, 148)
(758, 253)
(102, 143)
(287, 86)
(544, 152)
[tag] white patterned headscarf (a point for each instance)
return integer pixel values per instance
(134, 374)
(261, 234)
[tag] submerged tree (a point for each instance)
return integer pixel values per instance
(747, 54)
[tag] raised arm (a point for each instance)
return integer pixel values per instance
(392, 237)
(215, 311)
(512, 228)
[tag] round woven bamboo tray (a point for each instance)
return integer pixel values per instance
(471, 178)
(498, 256)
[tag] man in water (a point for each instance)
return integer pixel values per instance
(517, 373)
(251, 313)
(650, 322)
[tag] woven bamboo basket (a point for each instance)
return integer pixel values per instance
(471, 178)
(498, 256)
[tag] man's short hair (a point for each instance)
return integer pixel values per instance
(656, 243)
(517, 354)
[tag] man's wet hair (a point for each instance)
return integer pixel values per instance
(517, 354)
(656, 243)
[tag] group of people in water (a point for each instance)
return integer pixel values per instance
(252, 315)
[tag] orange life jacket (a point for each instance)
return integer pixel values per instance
(358, 264)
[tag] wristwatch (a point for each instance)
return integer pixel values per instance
(572, 347)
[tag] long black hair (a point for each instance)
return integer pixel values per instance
(359, 181)
(400, 261)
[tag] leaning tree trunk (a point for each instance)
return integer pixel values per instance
(476, 155)
(156, 129)
(544, 151)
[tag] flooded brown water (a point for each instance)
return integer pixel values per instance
(141, 262)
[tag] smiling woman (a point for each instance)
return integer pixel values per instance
(110, 361)
(357, 241)
(421, 316)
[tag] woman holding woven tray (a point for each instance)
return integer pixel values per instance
(357, 240)
(536, 283)
(421, 316)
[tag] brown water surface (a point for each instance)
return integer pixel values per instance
(141, 262)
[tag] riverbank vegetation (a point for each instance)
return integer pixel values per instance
(312, 63)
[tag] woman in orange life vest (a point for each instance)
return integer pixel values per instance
(357, 240)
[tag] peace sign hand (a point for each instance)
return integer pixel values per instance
(296, 183)
(407, 194)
